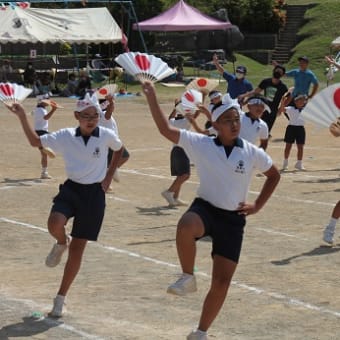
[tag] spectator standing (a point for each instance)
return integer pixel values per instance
(237, 83)
(6, 68)
(304, 78)
(273, 90)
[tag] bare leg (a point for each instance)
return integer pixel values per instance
(72, 266)
(189, 227)
(177, 183)
(43, 159)
(223, 271)
(336, 211)
(56, 227)
(299, 152)
(287, 150)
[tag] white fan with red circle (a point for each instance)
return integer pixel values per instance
(189, 101)
(106, 90)
(324, 109)
(203, 85)
(13, 93)
(144, 67)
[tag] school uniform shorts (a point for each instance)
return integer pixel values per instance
(179, 162)
(223, 226)
(296, 134)
(85, 203)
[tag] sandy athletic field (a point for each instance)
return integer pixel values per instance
(286, 285)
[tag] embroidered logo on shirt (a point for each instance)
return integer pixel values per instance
(240, 167)
(96, 152)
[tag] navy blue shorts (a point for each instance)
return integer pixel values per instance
(179, 162)
(295, 134)
(223, 226)
(84, 202)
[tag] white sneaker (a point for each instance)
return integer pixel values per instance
(54, 257)
(299, 166)
(169, 196)
(197, 335)
(180, 202)
(45, 175)
(184, 285)
(285, 165)
(328, 235)
(116, 176)
(58, 304)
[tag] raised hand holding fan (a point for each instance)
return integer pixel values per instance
(144, 67)
(203, 85)
(13, 93)
(324, 108)
(106, 90)
(190, 101)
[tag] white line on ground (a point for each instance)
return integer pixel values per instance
(278, 296)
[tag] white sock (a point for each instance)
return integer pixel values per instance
(44, 170)
(198, 331)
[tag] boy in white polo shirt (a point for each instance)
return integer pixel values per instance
(252, 126)
(225, 165)
(82, 196)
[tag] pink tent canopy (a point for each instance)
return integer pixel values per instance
(182, 17)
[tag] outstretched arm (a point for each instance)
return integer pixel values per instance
(31, 135)
(49, 115)
(217, 64)
(110, 108)
(332, 61)
(162, 123)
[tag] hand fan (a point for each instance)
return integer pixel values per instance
(49, 152)
(13, 93)
(324, 108)
(203, 85)
(144, 67)
(106, 90)
(190, 100)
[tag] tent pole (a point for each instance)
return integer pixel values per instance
(139, 30)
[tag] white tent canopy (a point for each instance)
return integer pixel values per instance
(336, 43)
(86, 25)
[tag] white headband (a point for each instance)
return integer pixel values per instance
(215, 95)
(88, 101)
(259, 101)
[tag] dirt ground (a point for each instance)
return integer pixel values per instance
(286, 285)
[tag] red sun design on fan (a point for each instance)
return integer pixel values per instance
(7, 89)
(23, 5)
(103, 92)
(189, 96)
(336, 98)
(142, 62)
(202, 82)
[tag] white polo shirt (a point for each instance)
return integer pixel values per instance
(252, 130)
(108, 123)
(295, 117)
(39, 122)
(84, 163)
(181, 123)
(224, 181)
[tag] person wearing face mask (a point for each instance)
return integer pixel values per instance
(237, 83)
(273, 90)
